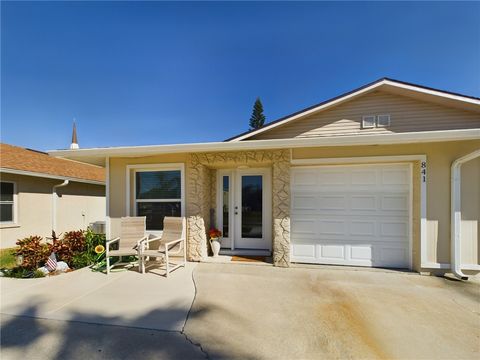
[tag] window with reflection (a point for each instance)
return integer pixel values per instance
(252, 206)
(158, 194)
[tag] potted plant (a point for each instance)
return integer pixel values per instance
(214, 235)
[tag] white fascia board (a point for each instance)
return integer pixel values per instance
(432, 92)
(48, 176)
(355, 140)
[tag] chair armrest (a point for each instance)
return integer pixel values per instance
(174, 242)
(152, 239)
(112, 241)
(143, 245)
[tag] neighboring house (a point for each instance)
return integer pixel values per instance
(363, 179)
(40, 193)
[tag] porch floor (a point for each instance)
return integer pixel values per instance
(243, 259)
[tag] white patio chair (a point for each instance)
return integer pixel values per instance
(132, 233)
(172, 243)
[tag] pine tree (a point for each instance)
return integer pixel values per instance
(257, 119)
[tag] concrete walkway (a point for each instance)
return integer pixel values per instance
(124, 298)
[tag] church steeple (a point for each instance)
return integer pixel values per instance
(74, 144)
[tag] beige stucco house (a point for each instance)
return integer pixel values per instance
(40, 193)
(387, 175)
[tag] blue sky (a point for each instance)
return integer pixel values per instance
(155, 73)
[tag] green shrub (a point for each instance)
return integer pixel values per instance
(23, 273)
(88, 256)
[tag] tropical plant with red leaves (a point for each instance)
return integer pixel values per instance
(33, 251)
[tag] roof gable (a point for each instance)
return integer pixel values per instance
(447, 99)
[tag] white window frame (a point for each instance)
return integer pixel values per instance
(14, 204)
(369, 126)
(378, 119)
(152, 167)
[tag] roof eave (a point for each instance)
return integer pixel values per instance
(49, 176)
(355, 140)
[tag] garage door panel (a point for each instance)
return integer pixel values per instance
(395, 203)
(352, 215)
(332, 177)
(363, 228)
(331, 202)
(330, 227)
(306, 251)
(364, 177)
(395, 176)
(361, 253)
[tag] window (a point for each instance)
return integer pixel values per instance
(158, 193)
(225, 207)
(368, 122)
(383, 120)
(7, 202)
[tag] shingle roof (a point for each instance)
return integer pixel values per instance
(18, 158)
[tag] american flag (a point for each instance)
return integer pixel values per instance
(51, 262)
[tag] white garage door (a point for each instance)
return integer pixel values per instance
(351, 215)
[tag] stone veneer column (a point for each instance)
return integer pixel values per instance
(281, 208)
(198, 208)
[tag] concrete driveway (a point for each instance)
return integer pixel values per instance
(257, 312)
(241, 311)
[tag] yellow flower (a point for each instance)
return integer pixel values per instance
(99, 249)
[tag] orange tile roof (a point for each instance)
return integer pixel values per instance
(18, 158)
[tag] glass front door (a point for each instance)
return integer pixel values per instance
(244, 208)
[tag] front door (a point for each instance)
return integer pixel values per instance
(244, 209)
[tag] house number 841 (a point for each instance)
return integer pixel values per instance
(423, 171)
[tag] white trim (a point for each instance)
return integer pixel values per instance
(108, 232)
(93, 155)
(473, 267)
(48, 176)
(444, 266)
(372, 160)
(456, 213)
(358, 159)
(14, 203)
(154, 167)
(410, 216)
(369, 126)
(431, 92)
(219, 204)
(348, 96)
(250, 243)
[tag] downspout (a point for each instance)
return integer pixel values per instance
(456, 214)
(54, 203)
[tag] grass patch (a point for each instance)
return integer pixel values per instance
(7, 258)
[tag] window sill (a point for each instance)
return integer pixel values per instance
(9, 225)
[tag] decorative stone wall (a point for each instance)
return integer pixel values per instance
(201, 196)
(198, 208)
(281, 209)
